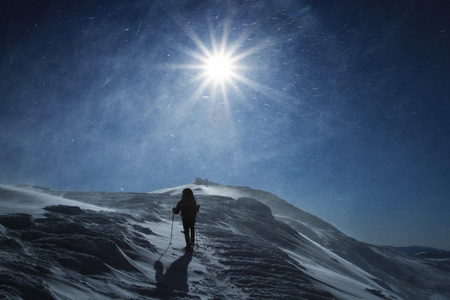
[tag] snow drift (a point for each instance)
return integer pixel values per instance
(251, 245)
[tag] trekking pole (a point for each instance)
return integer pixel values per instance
(171, 229)
(197, 237)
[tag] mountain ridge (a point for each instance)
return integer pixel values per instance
(120, 245)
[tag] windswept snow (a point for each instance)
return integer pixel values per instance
(251, 245)
(32, 200)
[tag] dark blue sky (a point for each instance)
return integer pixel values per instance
(341, 108)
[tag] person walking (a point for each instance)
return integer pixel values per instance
(189, 209)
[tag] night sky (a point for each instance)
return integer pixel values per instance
(339, 107)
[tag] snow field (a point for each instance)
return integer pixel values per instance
(96, 245)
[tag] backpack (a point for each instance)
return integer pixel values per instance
(189, 208)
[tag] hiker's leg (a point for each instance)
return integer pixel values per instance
(192, 235)
(186, 232)
(192, 227)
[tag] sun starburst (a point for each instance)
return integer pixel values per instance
(220, 65)
(219, 68)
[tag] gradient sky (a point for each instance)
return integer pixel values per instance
(339, 107)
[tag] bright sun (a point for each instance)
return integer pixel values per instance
(219, 68)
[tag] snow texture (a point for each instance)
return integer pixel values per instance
(251, 245)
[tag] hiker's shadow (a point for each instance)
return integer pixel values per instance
(174, 281)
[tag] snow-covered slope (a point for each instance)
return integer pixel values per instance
(251, 245)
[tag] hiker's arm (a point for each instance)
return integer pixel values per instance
(177, 209)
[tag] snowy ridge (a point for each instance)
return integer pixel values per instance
(31, 200)
(251, 245)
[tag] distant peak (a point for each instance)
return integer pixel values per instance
(200, 181)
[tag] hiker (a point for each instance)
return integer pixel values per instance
(189, 209)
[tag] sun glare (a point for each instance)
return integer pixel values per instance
(219, 68)
(220, 65)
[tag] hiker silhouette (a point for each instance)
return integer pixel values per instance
(174, 281)
(189, 209)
